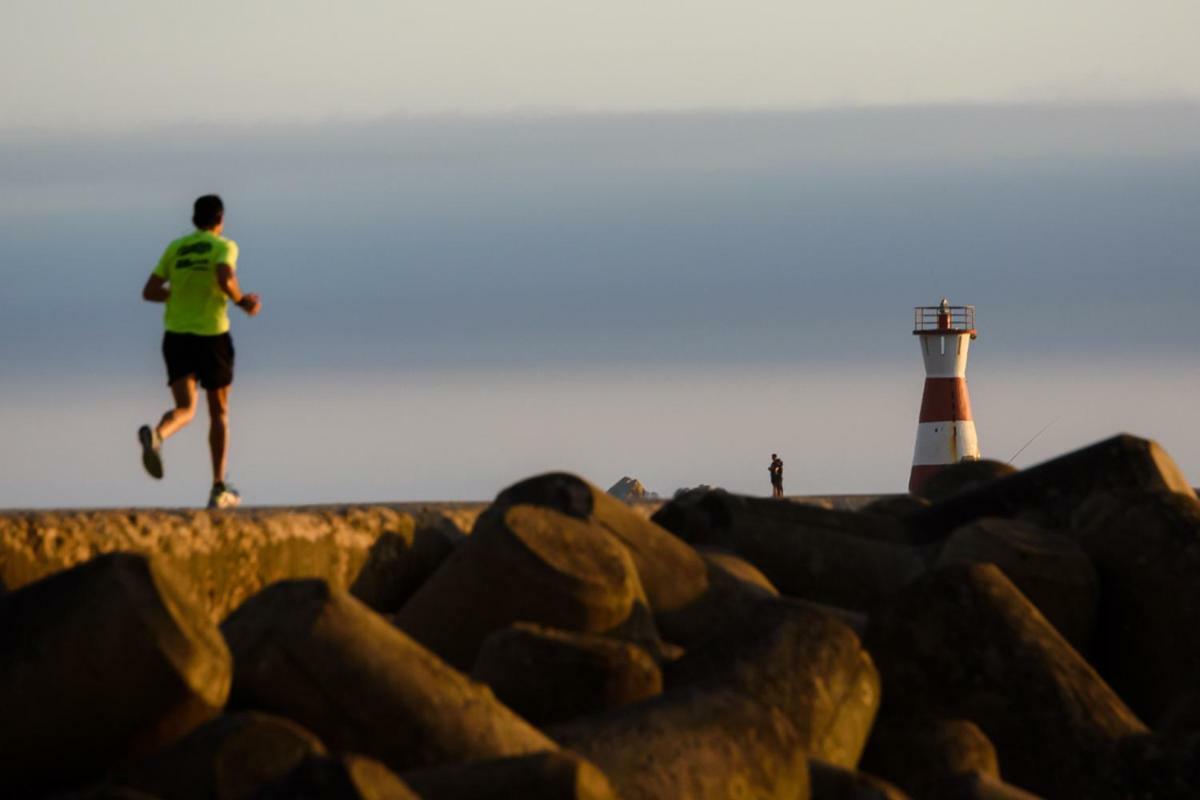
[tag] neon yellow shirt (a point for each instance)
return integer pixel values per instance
(189, 265)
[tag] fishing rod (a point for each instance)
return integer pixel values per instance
(1045, 428)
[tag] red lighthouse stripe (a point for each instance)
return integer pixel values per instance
(945, 399)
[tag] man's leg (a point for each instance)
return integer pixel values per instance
(184, 392)
(218, 432)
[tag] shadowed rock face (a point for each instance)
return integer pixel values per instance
(726, 566)
(550, 676)
(401, 560)
(532, 564)
(100, 664)
(831, 782)
(541, 776)
(897, 506)
(1049, 493)
(963, 642)
(807, 663)
(1146, 547)
(345, 777)
(694, 745)
(977, 786)
(671, 573)
(924, 757)
(842, 558)
(960, 477)
(325, 660)
(1050, 569)
(229, 758)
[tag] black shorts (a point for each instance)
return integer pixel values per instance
(208, 358)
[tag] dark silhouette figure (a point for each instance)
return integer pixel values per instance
(776, 470)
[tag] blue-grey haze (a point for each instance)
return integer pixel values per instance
(713, 265)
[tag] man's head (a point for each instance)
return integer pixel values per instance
(208, 213)
(774, 455)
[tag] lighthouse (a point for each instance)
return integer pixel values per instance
(945, 429)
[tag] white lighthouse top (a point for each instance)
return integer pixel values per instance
(944, 319)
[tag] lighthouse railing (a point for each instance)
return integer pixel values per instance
(937, 318)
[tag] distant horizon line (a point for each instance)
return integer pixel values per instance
(551, 114)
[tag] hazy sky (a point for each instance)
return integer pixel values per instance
(652, 238)
(120, 63)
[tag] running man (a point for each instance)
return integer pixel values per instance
(194, 277)
(776, 470)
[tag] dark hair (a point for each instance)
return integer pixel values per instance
(208, 212)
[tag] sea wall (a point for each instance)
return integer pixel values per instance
(227, 555)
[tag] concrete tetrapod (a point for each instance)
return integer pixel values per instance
(1049, 493)
(1050, 569)
(672, 574)
(802, 661)
(963, 642)
(401, 560)
(100, 664)
(977, 786)
(550, 676)
(694, 745)
(1146, 548)
(925, 757)
(528, 564)
(724, 565)
(228, 758)
(956, 478)
(831, 782)
(843, 558)
(325, 660)
(346, 777)
(735, 589)
(541, 776)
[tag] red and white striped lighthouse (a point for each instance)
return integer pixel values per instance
(946, 431)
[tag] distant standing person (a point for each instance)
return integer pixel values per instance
(194, 277)
(776, 470)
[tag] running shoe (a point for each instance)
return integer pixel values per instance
(151, 451)
(223, 496)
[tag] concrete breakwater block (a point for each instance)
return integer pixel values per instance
(735, 589)
(325, 660)
(977, 786)
(541, 776)
(1050, 569)
(726, 566)
(672, 573)
(831, 782)
(962, 642)
(229, 758)
(532, 564)
(957, 478)
(694, 745)
(550, 676)
(106, 793)
(804, 662)
(843, 558)
(226, 556)
(401, 560)
(1048, 493)
(927, 757)
(345, 777)
(1146, 547)
(100, 664)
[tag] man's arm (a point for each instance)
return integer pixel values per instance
(228, 283)
(156, 290)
